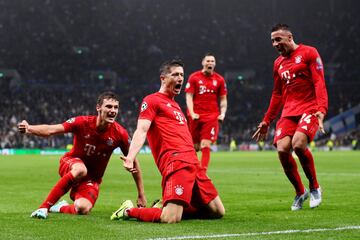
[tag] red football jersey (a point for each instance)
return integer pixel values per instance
(94, 148)
(169, 133)
(299, 84)
(206, 90)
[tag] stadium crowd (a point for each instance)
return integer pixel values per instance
(57, 58)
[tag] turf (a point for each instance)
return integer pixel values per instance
(255, 192)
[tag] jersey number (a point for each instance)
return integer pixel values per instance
(305, 118)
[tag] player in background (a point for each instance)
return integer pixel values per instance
(299, 89)
(82, 169)
(186, 189)
(204, 89)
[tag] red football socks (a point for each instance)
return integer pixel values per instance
(145, 214)
(290, 168)
(70, 209)
(61, 187)
(307, 163)
(205, 157)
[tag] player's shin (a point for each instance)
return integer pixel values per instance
(308, 165)
(290, 168)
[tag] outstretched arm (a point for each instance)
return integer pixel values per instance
(43, 130)
(137, 142)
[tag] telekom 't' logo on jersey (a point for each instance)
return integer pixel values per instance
(89, 149)
(286, 76)
(179, 117)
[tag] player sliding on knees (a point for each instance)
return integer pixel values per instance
(82, 169)
(187, 190)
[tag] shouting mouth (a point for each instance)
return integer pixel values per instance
(177, 87)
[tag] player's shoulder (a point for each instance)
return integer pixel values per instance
(151, 100)
(218, 76)
(79, 119)
(277, 61)
(119, 128)
(307, 47)
(151, 97)
(195, 74)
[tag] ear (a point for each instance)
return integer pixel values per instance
(98, 107)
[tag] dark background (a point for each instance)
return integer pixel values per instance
(57, 56)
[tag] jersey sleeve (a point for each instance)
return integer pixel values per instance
(222, 87)
(190, 85)
(148, 108)
(317, 74)
(124, 141)
(276, 98)
(72, 124)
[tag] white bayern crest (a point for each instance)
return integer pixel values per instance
(179, 190)
(214, 83)
(298, 59)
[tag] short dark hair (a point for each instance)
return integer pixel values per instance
(280, 26)
(165, 67)
(106, 95)
(208, 54)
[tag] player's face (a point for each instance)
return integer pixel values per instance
(173, 81)
(282, 42)
(208, 64)
(108, 110)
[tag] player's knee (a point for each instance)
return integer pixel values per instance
(79, 172)
(166, 218)
(299, 150)
(219, 213)
(205, 143)
(82, 208)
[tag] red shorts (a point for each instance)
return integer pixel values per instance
(204, 128)
(187, 183)
(86, 188)
(287, 126)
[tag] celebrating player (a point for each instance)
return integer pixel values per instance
(203, 89)
(82, 169)
(186, 188)
(299, 87)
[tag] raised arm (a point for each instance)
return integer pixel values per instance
(42, 130)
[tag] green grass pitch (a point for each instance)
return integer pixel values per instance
(252, 185)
